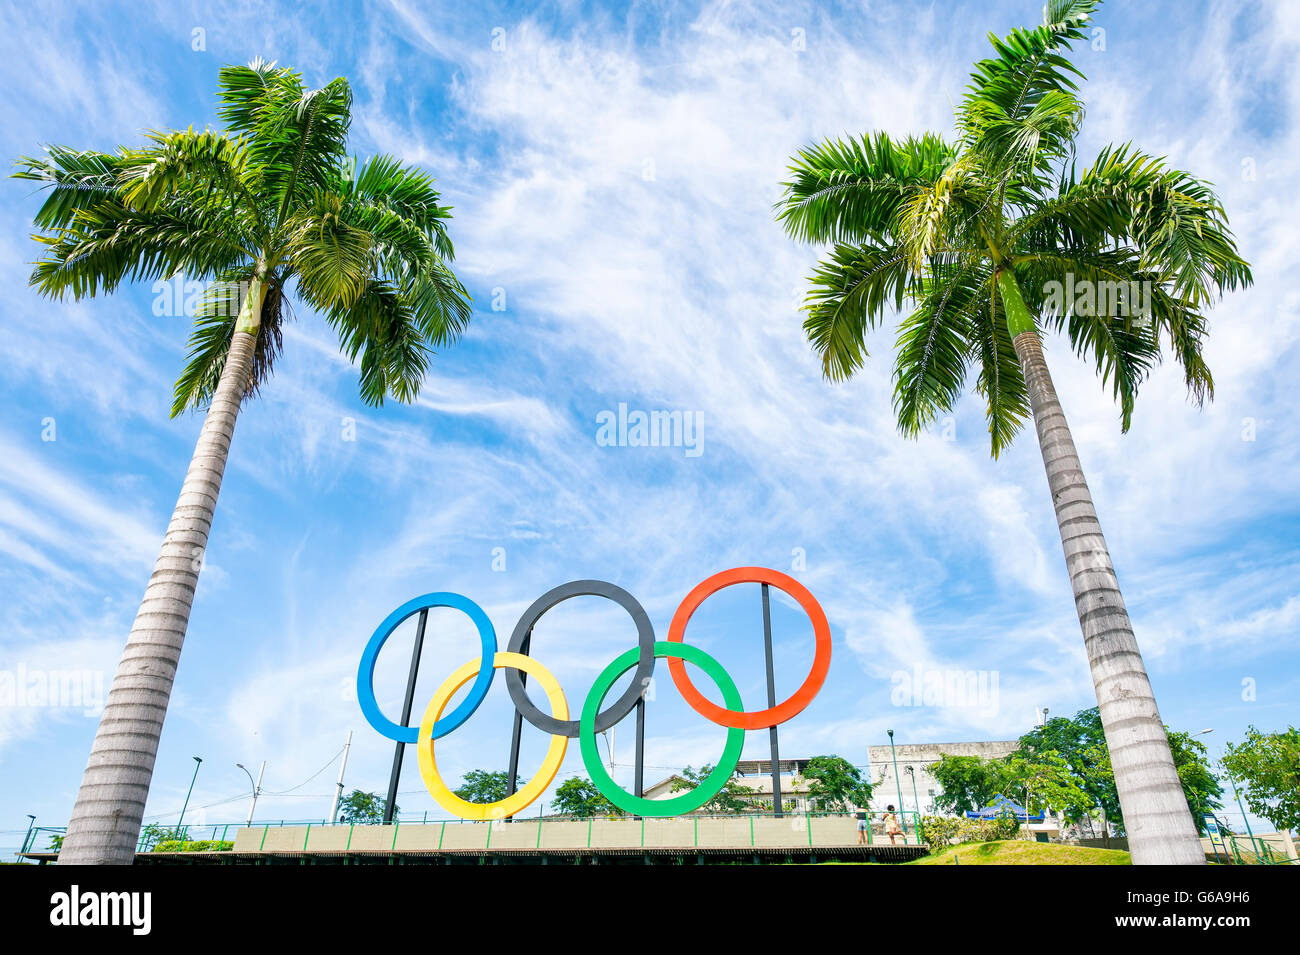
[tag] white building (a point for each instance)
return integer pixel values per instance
(755, 774)
(913, 789)
(918, 787)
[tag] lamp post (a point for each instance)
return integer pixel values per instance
(915, 798)
(338, 790)
(898, 780)
(1237, 796)
(1200, 806)
(257, 788)
(198, 761)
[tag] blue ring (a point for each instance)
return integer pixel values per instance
(366, 672)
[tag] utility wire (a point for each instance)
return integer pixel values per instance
(309, 778)
(260, 795)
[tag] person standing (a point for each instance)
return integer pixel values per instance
(891, 825)
(860, 812)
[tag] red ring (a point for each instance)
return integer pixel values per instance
(799, 700)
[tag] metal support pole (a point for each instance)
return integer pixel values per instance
(1236, 795)
(391, 803)
(901, 818)
(338, 790)
(639, 781)
(771, 700)
(28, 838)
(257, 789)
(512, 771)
(198, 761)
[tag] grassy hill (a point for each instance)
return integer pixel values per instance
(1022, 852)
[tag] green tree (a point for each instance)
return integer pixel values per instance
(580, 797)
(1200, 785)
(835, 784)
(1045, 781)
(967, 783)
(1266, 770)
(733, 797)
(1080, 741)
(271, 205)
(996, 239)
(363, 808)
(151, 835)
(480, 786)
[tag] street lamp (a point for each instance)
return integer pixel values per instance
(257, 788)
(899, 781)
(917, 799)
(1201, 808)
(198, 761)
(1237, 796)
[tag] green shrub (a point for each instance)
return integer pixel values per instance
(939, 830)
(945, 830)
(1003, 827)
(988, 830)
(199, 845)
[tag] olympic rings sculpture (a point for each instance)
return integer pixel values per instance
(592, 719)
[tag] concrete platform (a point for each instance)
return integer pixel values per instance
(681, 840)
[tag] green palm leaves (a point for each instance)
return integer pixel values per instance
(274, 198)
(945, 226)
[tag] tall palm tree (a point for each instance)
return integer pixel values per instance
(994, 238)
(272, 202)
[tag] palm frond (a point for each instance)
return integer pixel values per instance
(847, 296)
(379, 327)
(933, 223)
(214, 328)
(1001, 382)
(440, 305)
(933, 345)
(1021, 112)
(1113, 312)
(296, 136)
(408, 192)
(109, 243)
(248, 93)
(851, 190)
(274, 196)
(76, 179)
(210, 167)
(332, 258)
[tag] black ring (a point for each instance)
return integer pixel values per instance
(645, 664)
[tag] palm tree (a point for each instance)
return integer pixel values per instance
(272, 201)
(994, 238)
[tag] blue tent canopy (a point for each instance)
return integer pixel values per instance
(1002, 806)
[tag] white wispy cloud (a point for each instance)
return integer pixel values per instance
(615, 180)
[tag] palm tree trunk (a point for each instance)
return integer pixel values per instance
(1156, 814)
(106, 819)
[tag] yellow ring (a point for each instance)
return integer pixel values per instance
(550, 765)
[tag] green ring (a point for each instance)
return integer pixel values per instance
(676, 805)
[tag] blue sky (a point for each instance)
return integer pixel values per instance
(612, 171)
